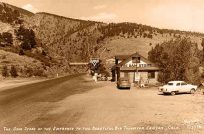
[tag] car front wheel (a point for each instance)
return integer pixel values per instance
(192, 91)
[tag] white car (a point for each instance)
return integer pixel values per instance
(174, 87)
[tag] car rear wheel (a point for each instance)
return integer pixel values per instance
(192, 91)
(173, 93)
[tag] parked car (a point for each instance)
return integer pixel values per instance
(174, 87)
(123, 83)
(202, 87)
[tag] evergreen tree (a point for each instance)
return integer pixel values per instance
(5, 71)
(202, 44)
(178, 60)
(13, 72)
(27, 36)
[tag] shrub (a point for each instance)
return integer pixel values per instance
(35, 72)
(149, 36)
(21, 52)
(5, 71)
(202, 75)
(4, 57)
(29, 71)
(13, 71)
(39, 72)
(144, 35)
(6, 38)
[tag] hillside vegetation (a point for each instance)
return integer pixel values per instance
(178, 59)
(55, 41)
(25, 66)
(16, 38)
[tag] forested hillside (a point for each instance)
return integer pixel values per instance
(87, 38)
(55, 41)
(60, 35)
(16, 38)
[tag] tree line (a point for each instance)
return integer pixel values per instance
(178, 59)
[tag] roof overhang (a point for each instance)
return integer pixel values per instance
(139, 69)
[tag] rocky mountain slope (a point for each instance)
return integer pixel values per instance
(74, 39)
(55, 41)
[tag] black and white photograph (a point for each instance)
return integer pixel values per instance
(101, 67)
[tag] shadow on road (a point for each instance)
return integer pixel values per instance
(174, 95)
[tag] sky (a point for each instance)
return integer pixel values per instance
(185, 15)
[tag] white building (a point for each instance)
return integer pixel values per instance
(135, 67)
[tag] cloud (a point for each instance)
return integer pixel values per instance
(30, 8)
(98, 7)
(103, 17)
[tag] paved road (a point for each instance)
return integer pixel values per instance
(28, 105)
(76, 102)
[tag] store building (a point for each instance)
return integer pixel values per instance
(135, 67)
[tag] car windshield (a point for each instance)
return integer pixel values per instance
(170, 84)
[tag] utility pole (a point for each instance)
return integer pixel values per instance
(136, 60)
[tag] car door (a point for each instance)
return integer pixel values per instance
(178, 87)
(184, 87)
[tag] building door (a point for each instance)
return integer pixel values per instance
(126, 75)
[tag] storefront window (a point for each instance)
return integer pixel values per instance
(151, 75)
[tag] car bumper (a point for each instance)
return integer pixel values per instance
(163, 90)
(124, 86)
(166, 92)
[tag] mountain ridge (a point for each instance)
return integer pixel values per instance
(59, 40)
(47, 13)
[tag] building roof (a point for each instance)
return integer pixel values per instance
(152, 68)
(176, 81)
(122, 57)
(128, 58)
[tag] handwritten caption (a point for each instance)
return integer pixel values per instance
(94, 128)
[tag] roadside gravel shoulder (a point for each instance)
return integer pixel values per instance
(12, 82)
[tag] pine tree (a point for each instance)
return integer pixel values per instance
(178, 60)
(5, 71)
(202, 44)
(13, 72)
